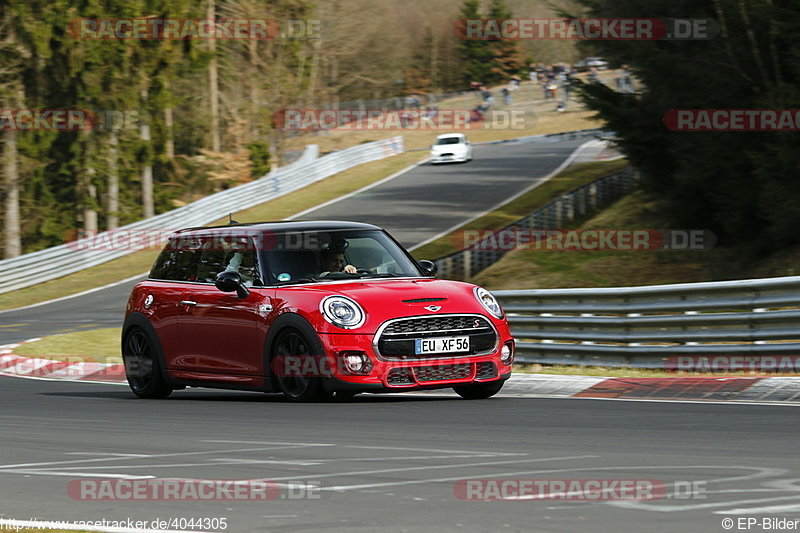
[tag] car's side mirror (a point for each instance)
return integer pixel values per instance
(230, 281)
(428, 267)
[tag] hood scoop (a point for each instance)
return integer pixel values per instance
(423, 300)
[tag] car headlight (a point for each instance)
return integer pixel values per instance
(489, 302)
(342, 312)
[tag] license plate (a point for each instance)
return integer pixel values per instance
(441, 345)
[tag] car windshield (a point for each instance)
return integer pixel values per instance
(309, 256)
(449, 140)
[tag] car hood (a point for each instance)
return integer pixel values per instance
(384, 299)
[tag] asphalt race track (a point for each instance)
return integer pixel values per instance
(422, 203)
(414, 206)
(390, 463)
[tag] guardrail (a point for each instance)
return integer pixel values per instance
(554, 215)
(656, 326)
(52, 263)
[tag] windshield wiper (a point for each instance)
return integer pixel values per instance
(385, 275)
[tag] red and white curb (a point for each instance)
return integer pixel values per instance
(769, 390)
(33, 367)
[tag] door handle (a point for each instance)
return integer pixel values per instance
(188, 302)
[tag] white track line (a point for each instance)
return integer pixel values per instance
(433, 467)
(791, 508)
(178, 454)
(431, 450)
(359, 191)
(62, 298)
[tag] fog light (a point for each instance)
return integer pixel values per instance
(356, 363)
(507, 353)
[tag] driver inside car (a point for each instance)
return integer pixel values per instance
(331, 259)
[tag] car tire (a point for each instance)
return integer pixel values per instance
(479, 391)
(291, 341)
(140, 354)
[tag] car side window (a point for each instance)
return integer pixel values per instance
(175, 264)
(218, 256)
(162, 265)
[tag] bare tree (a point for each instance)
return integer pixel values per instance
(213, 83)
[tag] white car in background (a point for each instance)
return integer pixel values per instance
(451, 147)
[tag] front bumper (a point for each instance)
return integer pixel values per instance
(448, 158)
(397, 375)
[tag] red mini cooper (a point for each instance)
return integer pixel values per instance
(308, 309)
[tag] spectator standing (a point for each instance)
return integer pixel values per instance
(627, 80)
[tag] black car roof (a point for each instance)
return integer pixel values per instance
(288, 225)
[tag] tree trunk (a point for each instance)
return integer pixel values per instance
(87, 192)
(148, 208)
(254, 120)
(11, 223)
(169, 122)
(213, 84)
(112, 212)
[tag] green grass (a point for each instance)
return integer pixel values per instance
(567, 180)
(94, 345)
(539, 269)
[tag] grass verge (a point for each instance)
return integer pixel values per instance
(94, 345)
(540, 269)
(534, 116)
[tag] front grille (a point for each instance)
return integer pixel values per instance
(485, 370)
(437, 324)
(442, 372)
(400, 376)
(396, 340)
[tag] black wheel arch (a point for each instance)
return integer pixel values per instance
(289, 320)
(138, 320)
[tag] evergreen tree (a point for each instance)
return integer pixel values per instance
(506, 58)
(476, 54)
(740, 185)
